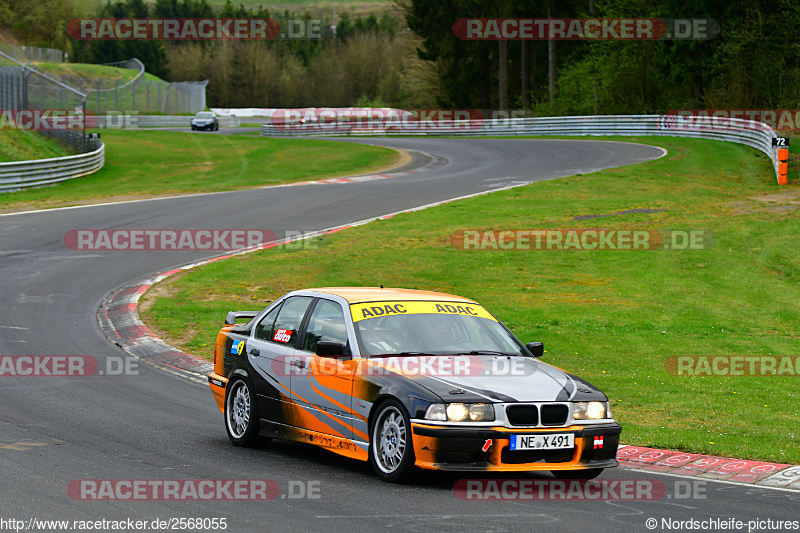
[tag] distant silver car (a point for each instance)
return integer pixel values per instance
(205, 120)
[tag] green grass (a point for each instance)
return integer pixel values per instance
(86, 70)
(156, 163)
(612, 317)
(20, 145)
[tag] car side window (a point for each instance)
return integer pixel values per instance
(326, 324)
(264, 328)
(289, 319)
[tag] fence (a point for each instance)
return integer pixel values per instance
(140, 94)
(33, 53)
(20, 175)
(754, 134)
(24, 87)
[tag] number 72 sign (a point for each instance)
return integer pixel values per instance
(780, 142)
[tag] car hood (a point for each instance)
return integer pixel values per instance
(495, 379)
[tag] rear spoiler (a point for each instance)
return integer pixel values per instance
(233, 316)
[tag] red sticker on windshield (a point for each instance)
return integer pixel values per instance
(283, 335)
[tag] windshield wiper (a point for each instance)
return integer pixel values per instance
(490, 352)
(398, 353)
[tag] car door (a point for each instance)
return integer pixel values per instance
(323, 393)
(269, 352)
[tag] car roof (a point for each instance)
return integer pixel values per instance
(373, 294)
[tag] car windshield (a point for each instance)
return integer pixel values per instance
(204, 115)
(410, 333)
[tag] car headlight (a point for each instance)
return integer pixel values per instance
(460, 412)
(589, 410)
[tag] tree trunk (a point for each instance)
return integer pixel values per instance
(526, 97)
(551, 55)
(502, 75)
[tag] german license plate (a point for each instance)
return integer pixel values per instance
(553, 441)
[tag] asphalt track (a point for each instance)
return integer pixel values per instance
(152, 425)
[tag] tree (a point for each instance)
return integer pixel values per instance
(152, 53)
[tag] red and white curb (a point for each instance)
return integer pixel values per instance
(709, 467)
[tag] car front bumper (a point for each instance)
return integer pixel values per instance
(487, 449)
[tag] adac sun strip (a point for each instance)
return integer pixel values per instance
(376, 309)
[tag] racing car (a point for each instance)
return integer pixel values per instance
(406, 378)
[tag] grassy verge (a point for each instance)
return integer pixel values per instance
(613, 317)
(88, 70)
(158, 163)
(20, 145)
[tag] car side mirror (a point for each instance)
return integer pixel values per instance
(536, 348)
(330, 349)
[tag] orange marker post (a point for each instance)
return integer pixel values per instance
(782, 144)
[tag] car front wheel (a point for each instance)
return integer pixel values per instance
(391, 450)
(241, 413)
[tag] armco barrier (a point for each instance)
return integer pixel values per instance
(754, 134)
(18, 175)
(118, 121)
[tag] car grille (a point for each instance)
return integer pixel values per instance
(554, 414)
(522, 415)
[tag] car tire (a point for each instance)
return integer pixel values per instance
(588, 473)
(391, 448)
(241, 413)
(216, 127)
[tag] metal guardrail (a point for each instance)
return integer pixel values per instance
(18, 175)
(113, 121)
(754, 134)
